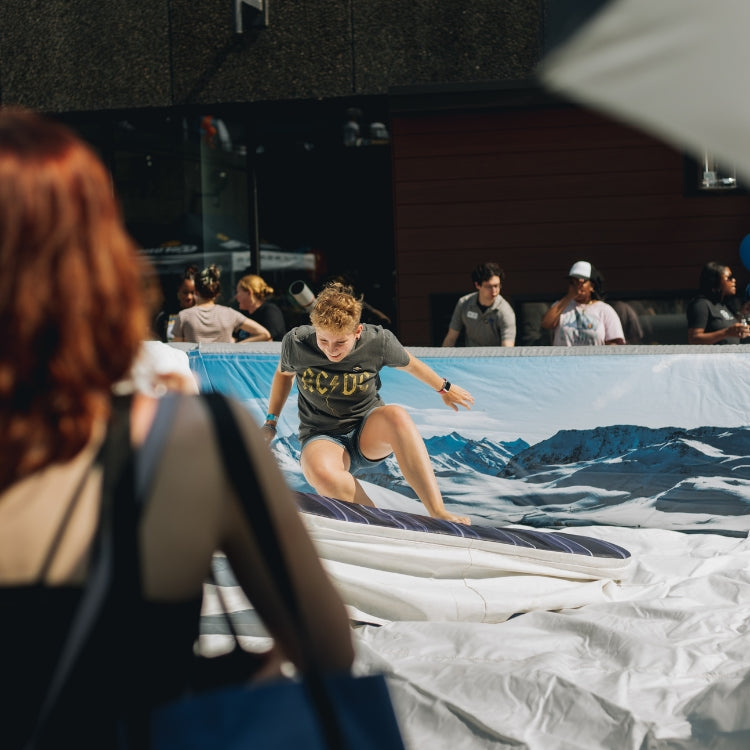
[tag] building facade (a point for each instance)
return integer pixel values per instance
(394, 144)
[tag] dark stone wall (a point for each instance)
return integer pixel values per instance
(78, 54)
(69, 55)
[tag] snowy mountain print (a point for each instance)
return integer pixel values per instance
(656, 439)
(621, 475)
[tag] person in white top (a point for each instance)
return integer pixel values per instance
(208, 322)
(580, 318)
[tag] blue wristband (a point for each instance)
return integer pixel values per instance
(271, 417)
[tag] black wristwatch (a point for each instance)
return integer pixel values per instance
(446, 386)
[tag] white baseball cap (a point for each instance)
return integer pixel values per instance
(581, 270)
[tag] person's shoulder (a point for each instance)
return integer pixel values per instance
(297, 337)
(700, 300)
(604, 306)
(383, 339)
(195, 418)
(300, 333)
(376, 331)
(502, 304)
(468, 299)
(229, 312)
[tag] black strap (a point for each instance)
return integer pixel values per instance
(67, 515)
(149, 454)
(238, 467)
(98, 580)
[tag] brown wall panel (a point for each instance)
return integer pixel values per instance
(540, 163)
(537, 190)
(530, 187)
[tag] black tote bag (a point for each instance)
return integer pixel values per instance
(317, 712)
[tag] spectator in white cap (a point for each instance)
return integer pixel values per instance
(581, 318)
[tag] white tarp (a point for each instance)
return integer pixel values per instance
(392, 574)
(677, 68)
(660, 660)
(656, 657)
(667, 667)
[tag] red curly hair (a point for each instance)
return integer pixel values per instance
(71, 310)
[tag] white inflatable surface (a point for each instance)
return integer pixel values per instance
(646, 448)
(661, 660)
(388, 574)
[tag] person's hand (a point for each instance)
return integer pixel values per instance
(268, 431)
(456, 397)
(446, 515)
(740, 330)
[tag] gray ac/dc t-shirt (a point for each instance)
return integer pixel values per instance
(334, 396)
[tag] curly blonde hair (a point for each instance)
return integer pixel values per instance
(337, 309)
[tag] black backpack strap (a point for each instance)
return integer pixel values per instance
(99, 578)
(238, 467)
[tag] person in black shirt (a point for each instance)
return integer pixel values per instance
(710, 321)
(253, 297)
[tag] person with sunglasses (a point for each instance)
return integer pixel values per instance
(709, 319)
(581, 317)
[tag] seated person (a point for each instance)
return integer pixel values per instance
(710, 321)
(581, 318)
(206, 321)
(164, 321)
(253, 297)
(486, 318)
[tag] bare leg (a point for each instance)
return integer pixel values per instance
(325, 465)
(391, 429)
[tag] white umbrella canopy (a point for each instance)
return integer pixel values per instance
(679, 69)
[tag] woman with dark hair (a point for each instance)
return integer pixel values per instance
(60, 230)
(581, 317)
(207, 321)
(710, 321)
(253, 296)
(185, 296)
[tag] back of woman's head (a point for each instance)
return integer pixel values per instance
(256, 285)
(337, 309)
(207, 284)
(709, 283)
(71, 309)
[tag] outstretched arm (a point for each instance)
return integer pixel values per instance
(454, 397)
(281, 387)
(256, 330)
